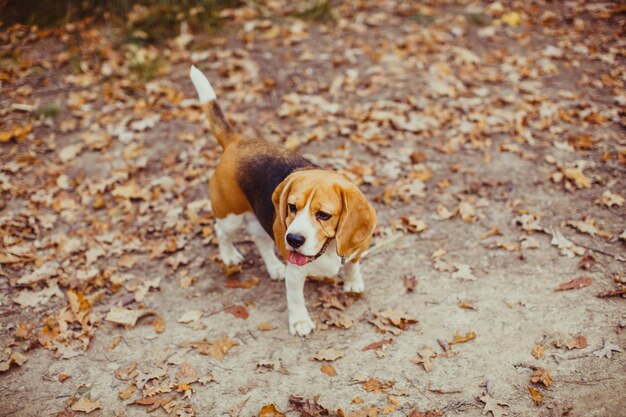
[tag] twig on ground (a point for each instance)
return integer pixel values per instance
(381, 244)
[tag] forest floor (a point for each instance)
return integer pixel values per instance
(490, 139)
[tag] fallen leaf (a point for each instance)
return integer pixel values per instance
(127, 392)
(186, 375)
(606, 350)
(586, 262)
(329, 354)
(536, 396)
(378, 344)
(216, 348)
(542, 376)
(610, 199)
(538, 351)
(424, 359)
(7, 358)
(238, 311)
(468, 214)
(308, 408)
(328, 369)
(493, 406)
(577, 175)
(466, 304)
(410, 281)
(86, 405)
(265, 326)
(579, 342)
(155, 401)
(232, 282)
(270, 410)
(397, 318)
(63, 377)
(575, 284)
(459, 338)
(376, 386)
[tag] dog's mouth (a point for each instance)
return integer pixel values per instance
(299, 259)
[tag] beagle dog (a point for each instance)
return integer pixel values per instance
(318, 219)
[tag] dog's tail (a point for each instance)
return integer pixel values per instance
(221, 129)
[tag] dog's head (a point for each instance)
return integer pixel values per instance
(315, 206)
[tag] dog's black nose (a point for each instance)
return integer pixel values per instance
(295, 240)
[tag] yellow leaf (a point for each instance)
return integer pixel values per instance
(459, 338)
(535, 395)
(577, 175)
(328, 370)
(512, 19)
(270, 410)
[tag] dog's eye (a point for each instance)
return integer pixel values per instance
(292, 208)
(322, 215)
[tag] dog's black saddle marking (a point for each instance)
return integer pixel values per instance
(259, 175)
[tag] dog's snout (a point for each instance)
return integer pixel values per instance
(295, 240)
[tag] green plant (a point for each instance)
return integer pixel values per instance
(320, 11)
(48, 111)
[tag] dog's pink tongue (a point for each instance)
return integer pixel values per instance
(298, 258)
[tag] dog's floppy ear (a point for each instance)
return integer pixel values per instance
(356, 223)
(279, 198)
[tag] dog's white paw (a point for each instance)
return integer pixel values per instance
(231, 256)
(301, 326)
(276, 271)
(354, 285)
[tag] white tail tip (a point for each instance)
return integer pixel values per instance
(203, 86)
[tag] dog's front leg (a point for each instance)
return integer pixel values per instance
(353, 279)
(299, 320)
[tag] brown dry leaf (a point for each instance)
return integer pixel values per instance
(397, 318)
(376, 386)
(413, 224)
(127, 392)
(575, 284)
(124, 374)
(308, 407)
(494, 231)
(586, 262)
(538, 351)
(270, 410)
(130, 191)
(378, 344)
(328, 369)
(158, 324)
(7, 358)
(63, 377)
(216, 348)
(410, 281)
(466, 304)
(610, 199)
(114, 343)
(186, 375)
(424, 359)
(493, 406)
(238, 311)
(578, 342)
(468, 214)
(155, 401)
(329, 354)
(541, 376)
(232, 282)
(459, 338)
(126, 317)
(86, 405)
(536, 396)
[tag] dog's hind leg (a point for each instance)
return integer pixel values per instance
(265, 245)
(226, 229)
